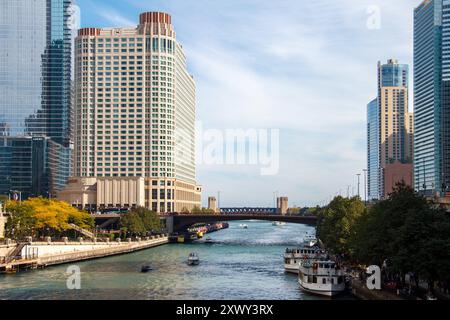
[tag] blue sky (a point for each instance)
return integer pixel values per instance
(307, 68)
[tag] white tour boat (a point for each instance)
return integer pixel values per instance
(243, 226)
(193, 259)
(278, 223)
(321, 277)
(292, 257)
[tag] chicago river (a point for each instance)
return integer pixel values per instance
(242, 264)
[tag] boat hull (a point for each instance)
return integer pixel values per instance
(193, 262)
(291, 268)
(327, 290)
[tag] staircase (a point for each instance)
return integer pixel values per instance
(16, 254)
(84, 232)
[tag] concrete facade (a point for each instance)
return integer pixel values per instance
(212, 204)
(395, 173)
(104, 192)
(282, 205)
(135, 110)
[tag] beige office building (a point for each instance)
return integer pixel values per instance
(135, 110)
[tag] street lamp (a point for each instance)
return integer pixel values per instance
(365, 185)
(358, 175)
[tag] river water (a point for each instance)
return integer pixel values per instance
(243, 264)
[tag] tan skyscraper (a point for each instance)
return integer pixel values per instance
(390, 131)
(135, 110)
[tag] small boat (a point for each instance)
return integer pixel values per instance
(193, 259)
(321, 277)
(146, 268)
(278, 223)
(209, 241)
(243, 226)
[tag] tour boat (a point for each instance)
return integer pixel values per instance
(292, 257)
(278, 223)
(209, 241)
(322, 277)
(243, 226)
(193, 259)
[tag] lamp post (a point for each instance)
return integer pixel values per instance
(358, 175)
(275, 195)
(218, 200)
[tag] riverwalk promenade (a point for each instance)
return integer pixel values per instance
(31, 255)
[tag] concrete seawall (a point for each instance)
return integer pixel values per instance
(42, 254)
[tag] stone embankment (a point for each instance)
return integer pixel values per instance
(31, 255)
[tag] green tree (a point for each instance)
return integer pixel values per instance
(196, 210)
(336, 223)
(150, 219)
(131, 224)
(408, 231)
(140, 221)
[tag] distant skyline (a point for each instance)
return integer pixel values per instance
(307, 68)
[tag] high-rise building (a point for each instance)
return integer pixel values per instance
(373, 150)
(389, 127)
(428, 147)
(35, 90)
(135, 110)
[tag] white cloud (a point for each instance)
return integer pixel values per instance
(307, 68)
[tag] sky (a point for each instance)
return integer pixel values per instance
(305, 68)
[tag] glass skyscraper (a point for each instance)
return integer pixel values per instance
(428, 142)
(373, 150)
(35, 92)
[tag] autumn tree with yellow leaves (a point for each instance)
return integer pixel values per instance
(38, 217)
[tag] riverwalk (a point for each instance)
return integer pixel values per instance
(32, 255)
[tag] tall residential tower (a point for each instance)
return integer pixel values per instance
(135, 110)
(390, 131)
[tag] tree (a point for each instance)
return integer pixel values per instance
(140, 221)
(336, 222)
(196, 210)
(132, 224)
(150, 219)
(44, 217)
(184, 210)
(408, 231)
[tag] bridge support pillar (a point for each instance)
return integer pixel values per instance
(169, 224)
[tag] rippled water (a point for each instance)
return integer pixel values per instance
(244, 264)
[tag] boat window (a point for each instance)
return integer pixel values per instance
(310, 279)
(324, 281)
(314, 279)
(332, 280)
(340, 279)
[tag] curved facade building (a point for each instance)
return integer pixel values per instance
(135, 110)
